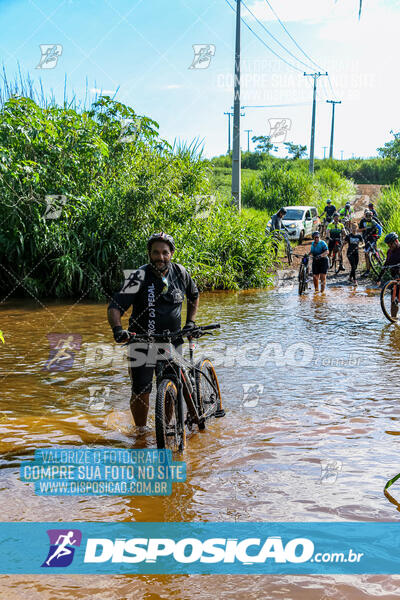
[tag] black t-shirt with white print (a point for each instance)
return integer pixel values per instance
(152, 310)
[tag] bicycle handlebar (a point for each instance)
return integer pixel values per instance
(167, 335)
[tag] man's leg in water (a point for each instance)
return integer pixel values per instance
(316, 282)
(140, 407)
(323, 281)
(141, 375)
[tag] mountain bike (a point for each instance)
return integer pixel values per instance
(277, 236)
(376, 256)
(390, 296)
(304, 272)
(337, 258)
(188, 394)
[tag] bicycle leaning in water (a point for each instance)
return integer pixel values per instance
(188, 393)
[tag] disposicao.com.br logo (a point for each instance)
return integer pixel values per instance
(191, 550)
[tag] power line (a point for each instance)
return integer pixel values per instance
(274, 38)
(292, 38)
(264, 44)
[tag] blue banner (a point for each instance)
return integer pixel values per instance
(208, 548)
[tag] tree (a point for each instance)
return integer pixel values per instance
(297, 150)
(264, 143)
(391, 149)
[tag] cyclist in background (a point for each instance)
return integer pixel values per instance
(353, 239)
(371, 207)
(276, 220)
(393, 258)
(277, 225)
(346, 212)
(371, 231)
(328, 211)
(320, 264)
(336, 233)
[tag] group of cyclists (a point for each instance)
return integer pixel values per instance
(339, 229)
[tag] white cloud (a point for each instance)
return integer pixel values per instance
(173, 86)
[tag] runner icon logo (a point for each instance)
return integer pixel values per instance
(61, 551)
(63, 347)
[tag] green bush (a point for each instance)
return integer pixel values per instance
(117, 193)
(279, 186)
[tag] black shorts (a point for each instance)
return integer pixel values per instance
(320, 266)
(331, 244)
(143, 361)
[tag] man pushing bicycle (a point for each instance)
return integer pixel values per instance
(156, 292)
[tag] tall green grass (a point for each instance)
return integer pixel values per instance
(389, 208)
(117, 193)
(278, 186)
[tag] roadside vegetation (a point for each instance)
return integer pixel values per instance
(82, 187)
(110, 182)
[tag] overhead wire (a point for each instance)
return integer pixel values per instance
(264, 43)
(292, 38)
(274, 38)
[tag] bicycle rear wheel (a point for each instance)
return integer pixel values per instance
(390, 300)
(376, 261)
(169, 433)
(208, 392)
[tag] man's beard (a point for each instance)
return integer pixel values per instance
(160, 266)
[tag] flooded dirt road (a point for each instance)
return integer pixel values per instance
(310, 387)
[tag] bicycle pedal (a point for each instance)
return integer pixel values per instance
(219, 413)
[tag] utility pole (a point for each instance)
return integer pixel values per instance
(230, 114)
(248, 139)
(333, 102)
(315, 76)
(236, 174)
(324, 147)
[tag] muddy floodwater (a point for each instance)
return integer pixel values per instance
(311, 391)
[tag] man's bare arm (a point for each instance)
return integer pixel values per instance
(114, 317)
(192, 306)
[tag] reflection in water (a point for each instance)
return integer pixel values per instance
(323, 369)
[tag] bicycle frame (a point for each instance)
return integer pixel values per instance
(182, 369)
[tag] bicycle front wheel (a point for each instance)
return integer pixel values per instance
(338, 263)
(302, 280)
(289, 253)
(169, 433)
(390, 300)
(207, 387)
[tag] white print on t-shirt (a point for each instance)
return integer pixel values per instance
(151, 299)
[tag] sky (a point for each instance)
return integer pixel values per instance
(144, 49)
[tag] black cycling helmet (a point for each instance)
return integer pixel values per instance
(161, 237)
(347, 204)
(329, 201)
(316, 234)
(368, 213)
(282, 210)
(391, 237)
(371, 205)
